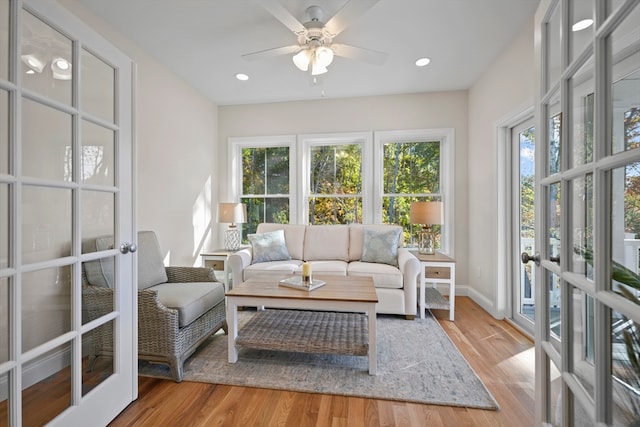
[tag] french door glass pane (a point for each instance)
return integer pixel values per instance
(46, 223)
(98, 300)
(553, 48)
(625, 354)
(581, 190)
(97, 367)
(46, 305)
(46, 60)
(554, 404)
(4, 403)
(97, 211)
(46, 146)
(555, 304)
(625, 224)
(4, 323)
(4, 132)
(582, 118)
(4, 41)
(554, 122)
(526, 141)
(583, 370)
(96, 159)
(581, 33)
(4, 226)
(55, 389)
(626, 84)
(553, 221)
(98, 87)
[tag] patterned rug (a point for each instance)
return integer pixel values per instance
(417, 362)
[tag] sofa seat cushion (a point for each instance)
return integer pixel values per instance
(191, 299)
(272, 268)
(335, 268)
(383, 275)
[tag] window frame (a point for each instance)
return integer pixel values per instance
(372, 180)
(446, 136)
(307, 141)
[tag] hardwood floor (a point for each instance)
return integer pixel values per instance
(500, 355)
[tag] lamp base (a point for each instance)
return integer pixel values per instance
(232, 239)
(426, 242)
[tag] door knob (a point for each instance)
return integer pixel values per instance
(127, 247)
(526, 258)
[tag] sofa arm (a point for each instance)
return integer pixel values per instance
(409, 265)
(239, 261)
(190, 274)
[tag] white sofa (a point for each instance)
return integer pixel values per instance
(338, 250)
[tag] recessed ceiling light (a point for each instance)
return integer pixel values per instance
(422, 62)
(581, 25)
(242, 77)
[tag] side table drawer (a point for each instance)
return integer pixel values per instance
(215, 264)
(438, 272)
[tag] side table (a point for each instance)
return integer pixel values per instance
(437, 268)
(218, 260)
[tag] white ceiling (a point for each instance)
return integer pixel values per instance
(203, 40)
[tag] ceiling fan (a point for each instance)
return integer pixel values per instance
(315, 49)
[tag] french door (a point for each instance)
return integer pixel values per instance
(522, 188)
(587, 212)
(65, 177)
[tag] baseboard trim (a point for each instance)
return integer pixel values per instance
(486, 304)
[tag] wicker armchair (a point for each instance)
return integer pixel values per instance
(163, 335)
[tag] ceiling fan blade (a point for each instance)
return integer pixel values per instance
(351, 11)
(283, 15)
(359, 53)
(268, 53)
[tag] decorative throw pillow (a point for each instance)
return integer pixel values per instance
(381, 246)
(269, 247)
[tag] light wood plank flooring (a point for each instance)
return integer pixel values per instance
(500, 355)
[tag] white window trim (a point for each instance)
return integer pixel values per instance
(306, 141)
(446, 136)
(236, 144)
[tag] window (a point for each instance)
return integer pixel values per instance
(416, 166)
(265, 179)
(334, 183)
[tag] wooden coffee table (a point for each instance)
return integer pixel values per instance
(343, 294)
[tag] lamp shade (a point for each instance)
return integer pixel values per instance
(232, 213)
(426, 213)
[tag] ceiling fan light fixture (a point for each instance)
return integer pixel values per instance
(323, 56)
(317, 69)
(302, 60)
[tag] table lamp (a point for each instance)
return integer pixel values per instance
(232, 213)
(426, 214)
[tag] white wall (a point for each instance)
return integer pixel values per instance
(504, 91)
(176, 151)
(394, 112)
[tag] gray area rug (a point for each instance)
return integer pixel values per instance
(417, 362)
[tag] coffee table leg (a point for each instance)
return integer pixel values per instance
(373, 346)
(232, 324)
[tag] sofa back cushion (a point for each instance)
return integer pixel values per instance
(293, 236)
(326, 242)
(356, 237)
